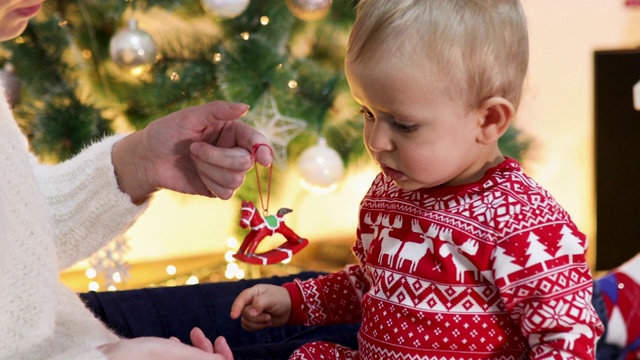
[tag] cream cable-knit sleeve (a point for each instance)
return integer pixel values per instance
(87, 206)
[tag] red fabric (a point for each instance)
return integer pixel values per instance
(298, 315)
(468, 272)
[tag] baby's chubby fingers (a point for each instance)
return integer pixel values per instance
(251, 307)
(244, 299)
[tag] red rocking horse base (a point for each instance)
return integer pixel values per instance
(273, 256)
(262, 227)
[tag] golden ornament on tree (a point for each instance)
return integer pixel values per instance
(309, 10)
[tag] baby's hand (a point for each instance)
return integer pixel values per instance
(262, 306)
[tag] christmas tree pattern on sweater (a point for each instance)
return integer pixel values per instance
(491, 270)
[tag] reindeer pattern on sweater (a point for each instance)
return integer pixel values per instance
(491, 270)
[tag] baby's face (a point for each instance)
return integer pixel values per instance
(418, 134)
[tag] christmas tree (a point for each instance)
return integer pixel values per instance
(89, 68)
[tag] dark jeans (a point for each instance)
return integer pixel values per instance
(174, 311)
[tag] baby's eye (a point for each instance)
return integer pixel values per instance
(403, 127)
(368, 115)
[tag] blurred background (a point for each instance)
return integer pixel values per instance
(88, 68)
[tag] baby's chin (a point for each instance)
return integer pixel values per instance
(408, 184)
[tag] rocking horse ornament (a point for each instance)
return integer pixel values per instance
(261, 227)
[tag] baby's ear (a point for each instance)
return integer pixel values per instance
(494, 117)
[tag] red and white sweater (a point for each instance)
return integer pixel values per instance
(495, 269)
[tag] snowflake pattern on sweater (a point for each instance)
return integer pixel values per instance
(490, 270)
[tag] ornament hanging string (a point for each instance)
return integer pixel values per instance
(265, 209)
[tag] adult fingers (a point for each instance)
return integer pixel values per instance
(222, 348)
(222, 110)
(235, 158)
(200, 340)
(250, 139)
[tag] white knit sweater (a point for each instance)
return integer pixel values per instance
(51, 217)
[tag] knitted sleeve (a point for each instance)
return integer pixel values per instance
(326, 300)
(86, 204)
(549, 294)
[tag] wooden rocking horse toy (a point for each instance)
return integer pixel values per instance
(263, 227)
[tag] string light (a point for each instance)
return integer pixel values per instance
(171, 270)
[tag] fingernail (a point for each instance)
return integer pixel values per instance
(239, 107)
(195, 148)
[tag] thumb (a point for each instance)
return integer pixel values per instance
(225, 111)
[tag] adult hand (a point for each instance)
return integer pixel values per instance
(200, 150)
(200, 341)
(168, 349)
(262, 306)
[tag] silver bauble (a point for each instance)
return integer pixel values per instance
(226, 9)
(131, 47)
(320, 166)
(309, 10)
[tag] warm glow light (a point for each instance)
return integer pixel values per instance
(171, 270)
(318, 190)
(232, 243)
(240, 274)
(245, 35)
(293, 84)
(264, 20)
(87, 54)
(116, 277)
(91, 273)
(174, 76)
(217, 57)
(228, 256)
(112, 288)
(138, 70)
(192, 280)
(231, 271)
(229, 274)
(94, 286)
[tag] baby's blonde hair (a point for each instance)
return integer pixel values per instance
(479, 47)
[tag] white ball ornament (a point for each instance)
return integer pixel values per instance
(132, 48)
(321, 167)
(309, 10)
(227, 9)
